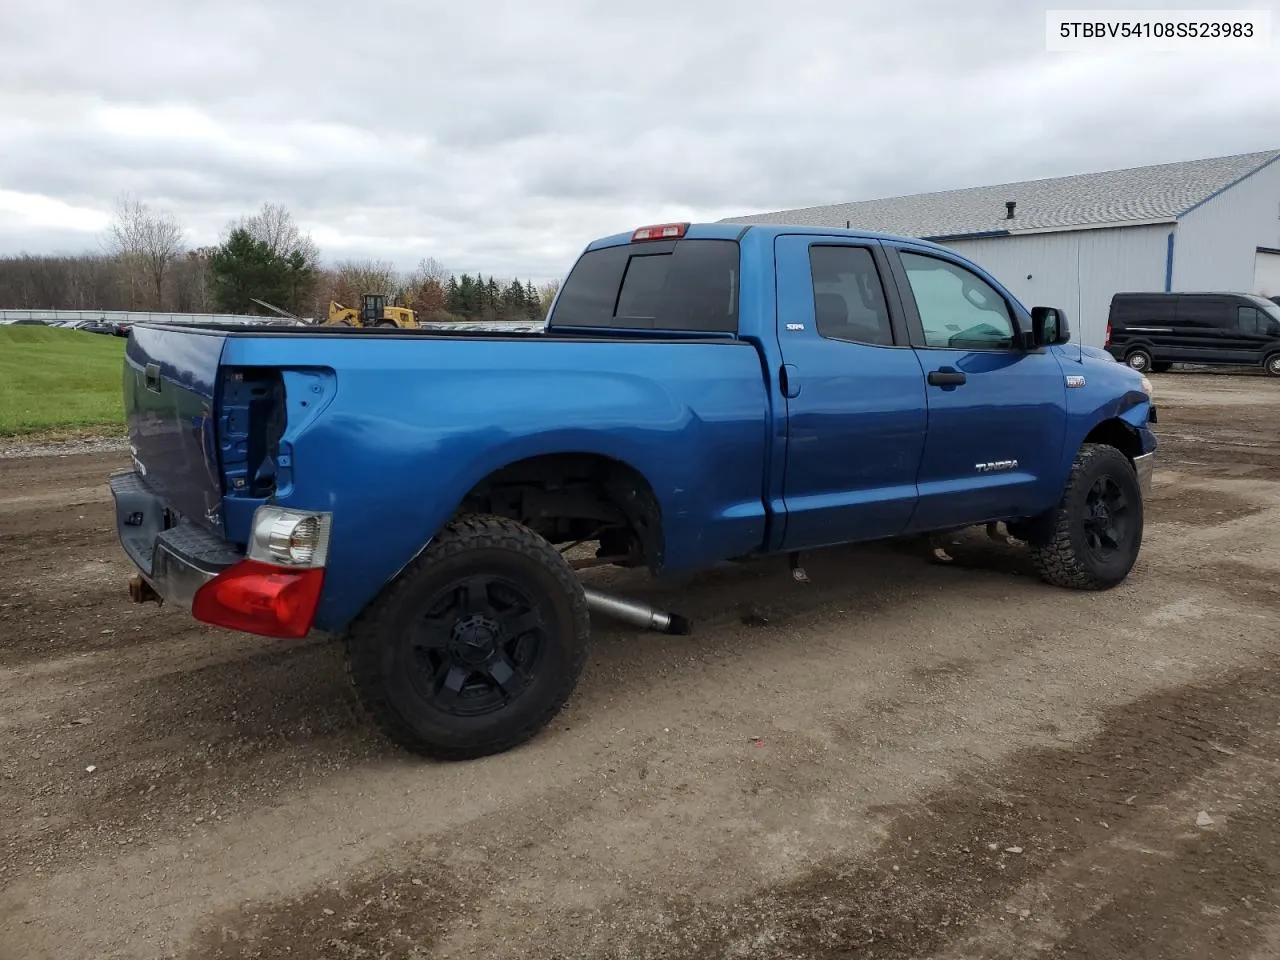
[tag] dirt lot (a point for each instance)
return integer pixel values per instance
(899, 759)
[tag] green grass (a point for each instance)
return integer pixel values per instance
(59, 381)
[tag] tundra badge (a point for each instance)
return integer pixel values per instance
(995, 465)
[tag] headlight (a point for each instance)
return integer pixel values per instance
(1146, 386)
(290, 538)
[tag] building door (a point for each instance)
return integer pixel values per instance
(1266, 273)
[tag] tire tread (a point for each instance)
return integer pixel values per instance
(463, 534)
(1055, 557)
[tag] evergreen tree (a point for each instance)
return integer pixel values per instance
(243, 269)
(493, 300)
(453, 295)
(467, 296)
(513, 300)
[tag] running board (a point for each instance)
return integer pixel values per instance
(635, 612)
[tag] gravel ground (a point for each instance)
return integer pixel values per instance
(899, 759)
(13, 449)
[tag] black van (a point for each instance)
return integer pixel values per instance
(1153, 331)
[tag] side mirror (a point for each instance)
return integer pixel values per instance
(1049, 326)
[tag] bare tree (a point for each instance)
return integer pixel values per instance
(274, 225)
(353, 278)
(144, 241)
(429, 268)
(547, 292)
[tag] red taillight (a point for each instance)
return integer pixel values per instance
(260, 598)
(661, 231)
(1107, 341)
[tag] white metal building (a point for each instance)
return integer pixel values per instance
(1073, 242)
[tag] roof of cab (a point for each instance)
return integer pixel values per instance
(735, 231)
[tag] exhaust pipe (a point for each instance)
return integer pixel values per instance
(636, 613)
(140, 591)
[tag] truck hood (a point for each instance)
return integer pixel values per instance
(1096, 353)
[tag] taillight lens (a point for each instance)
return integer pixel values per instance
(1107, 341)
(260, 598)
(275, 590)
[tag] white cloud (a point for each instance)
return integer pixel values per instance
(28, 211)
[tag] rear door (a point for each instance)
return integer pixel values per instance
(855, 393)
(1206, 330)
(170, 378)
(1145, 320)
(996, 410)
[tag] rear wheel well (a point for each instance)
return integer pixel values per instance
(1118, 434)
(573, 498)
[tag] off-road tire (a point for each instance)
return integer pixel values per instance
(1142, 356)
(1061, 551)
(381, 654)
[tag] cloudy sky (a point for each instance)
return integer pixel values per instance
(502, 136)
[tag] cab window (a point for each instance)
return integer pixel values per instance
(958, 309)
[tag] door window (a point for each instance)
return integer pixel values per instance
(848, 299)
(958, 309)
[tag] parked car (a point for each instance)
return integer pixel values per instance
(699, 394)
(1153, 331)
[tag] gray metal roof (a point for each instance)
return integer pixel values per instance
(1158, 193)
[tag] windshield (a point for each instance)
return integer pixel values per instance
(1269, 307)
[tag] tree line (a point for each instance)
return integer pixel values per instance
(145, 264)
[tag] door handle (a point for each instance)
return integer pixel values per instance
(151, 377)
(946, 378)
(789, 380)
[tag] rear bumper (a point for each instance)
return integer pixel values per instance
(176, 558)
(1145, 466)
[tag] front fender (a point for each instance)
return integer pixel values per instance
(1108, 392)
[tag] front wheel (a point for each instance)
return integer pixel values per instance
(476, 646)
(1272, 365)
(1092, 537)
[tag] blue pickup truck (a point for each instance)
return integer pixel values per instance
(699, 393)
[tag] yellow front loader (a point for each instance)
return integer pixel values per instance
(373, 312)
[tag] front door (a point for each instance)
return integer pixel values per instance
(855, 393)
(997, 417)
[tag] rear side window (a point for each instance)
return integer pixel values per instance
(848, 299)
(1140, 310)
(687, 285)
(1216, 312)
